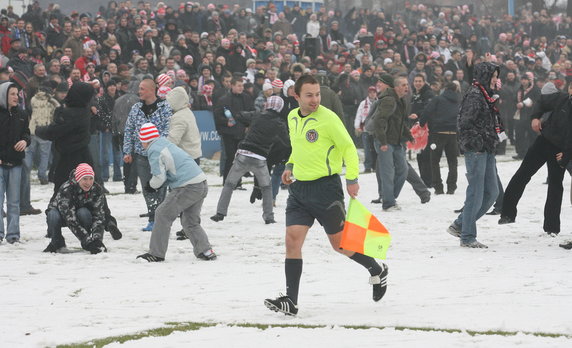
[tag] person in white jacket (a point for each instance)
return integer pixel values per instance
(364, 108)
(183, 129)
(313, 26)
(43, 106)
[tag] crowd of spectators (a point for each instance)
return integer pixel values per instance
(208, 50)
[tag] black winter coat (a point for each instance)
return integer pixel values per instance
(558, 128)
(235, 103)
(13, 128)
(441, 113)
(70, 197)
(477, 118)
(264, 130)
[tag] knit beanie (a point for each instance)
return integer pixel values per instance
(148, 133)
(82, 170)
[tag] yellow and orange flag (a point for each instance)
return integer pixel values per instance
(363, 233)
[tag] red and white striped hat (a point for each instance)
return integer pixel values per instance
(162, 92)
(83, 170)
(277, 83)
(163, 79)
(148, 133)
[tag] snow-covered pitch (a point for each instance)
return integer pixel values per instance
(522, 284)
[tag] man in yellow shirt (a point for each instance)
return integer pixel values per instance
(320, 145)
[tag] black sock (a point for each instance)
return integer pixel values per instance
(368, 262)
(293, 269)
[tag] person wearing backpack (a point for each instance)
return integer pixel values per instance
(391, 134)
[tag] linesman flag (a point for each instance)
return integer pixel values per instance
(363, 233)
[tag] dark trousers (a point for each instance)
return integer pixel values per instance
(447, 143)
(349, 119)
(152, 199)
(129, 169)
(500, 197)
(524, 136)
(542, 151)
(230, 146)
(130, 177)
(424, 163)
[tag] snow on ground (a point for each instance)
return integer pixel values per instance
(521, 283)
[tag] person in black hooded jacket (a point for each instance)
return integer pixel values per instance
(264, 130)
(231, 132)
(421, 96)
(555, 138)
(14, 138)
(477, 125)
(441, 115)
(70, 132)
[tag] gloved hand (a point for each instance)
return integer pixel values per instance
(114, 231)
(564, 159)
(96, 247)
(149, 189)
(256, 194)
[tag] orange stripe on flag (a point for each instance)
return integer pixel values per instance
(353, 237)
(375, 225)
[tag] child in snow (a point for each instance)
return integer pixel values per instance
(80, 205)
(174, 167)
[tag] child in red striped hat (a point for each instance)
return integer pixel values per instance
(84, 175)
(84, 211)
(173, 167)
(277, 85)
(162, 92)
(148, 133)
(164, 80)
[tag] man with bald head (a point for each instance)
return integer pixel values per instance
(148, 109)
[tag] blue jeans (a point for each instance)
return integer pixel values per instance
(394, 168)
(368, 151)
(107, 152)
(378, 151)
(482, 192)
(276, 178)
(41, 148)
(10, 187)
(25, 200)
(55, 223)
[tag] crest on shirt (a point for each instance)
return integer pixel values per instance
(312, 136)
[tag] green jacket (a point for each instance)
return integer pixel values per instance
(390, 119)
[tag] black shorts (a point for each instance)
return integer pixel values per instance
(321, 199)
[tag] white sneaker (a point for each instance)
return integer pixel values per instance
(393, 208)
(474, 244)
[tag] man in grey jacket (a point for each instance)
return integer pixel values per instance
(391, 134)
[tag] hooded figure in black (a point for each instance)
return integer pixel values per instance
(479, 128)
(552, 117)
(70, 132)
(478, 115)
(14, 138)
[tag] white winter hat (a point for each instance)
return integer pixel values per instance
(266, 86)
(287, 85)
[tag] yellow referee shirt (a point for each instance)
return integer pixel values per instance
(320, 145)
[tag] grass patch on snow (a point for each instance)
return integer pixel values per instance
(193, 326)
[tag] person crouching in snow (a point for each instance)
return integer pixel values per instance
(173, 167)
(264, 129)
(80, 205)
